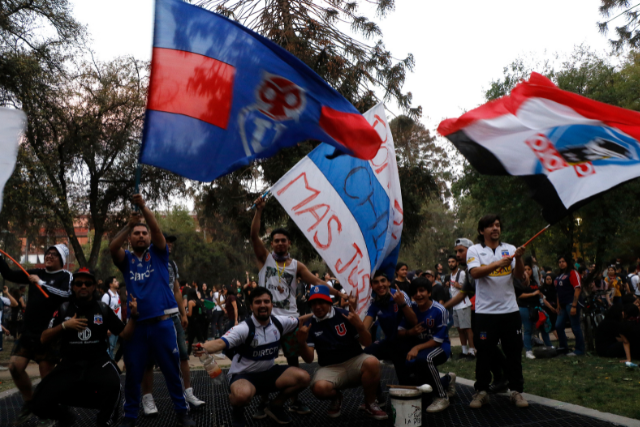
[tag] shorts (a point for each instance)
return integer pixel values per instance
(462, 318)
(265, 381)
(342, 375)
(32, 349)
(290, 345)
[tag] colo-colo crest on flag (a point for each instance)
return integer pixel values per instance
(567, 147)
(349, 209)
(221, 95)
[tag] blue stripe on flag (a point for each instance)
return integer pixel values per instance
(355, 182)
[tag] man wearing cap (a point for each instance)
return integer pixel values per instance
(338, 336)
(146, 274)
(86, 376)
(390, 307)
(56, 282)
(180, 322)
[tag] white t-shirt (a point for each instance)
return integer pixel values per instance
(113, 302)
(264, 335)
(273, 275)
(635, 284)
(494, 293)
(7, 302)
(217, 295)
(453, 291)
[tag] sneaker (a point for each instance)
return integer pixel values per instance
(299, 407)
(451, 389)
(439, 404)
(278, 414)
(149, 405)
(128, 422)
(471, 354)
(24, 415)
(363, 406)
(184, 420)
(191, 399)
(529, 354)
(382, 400)
(499, 386)
(335, 406)
(479, 399)
(517, 399)
(374, 411)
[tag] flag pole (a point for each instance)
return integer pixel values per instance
(25, 271)
(538, 234)
(137, 189)
(262, 197)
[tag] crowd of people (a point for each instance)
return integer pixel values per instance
(497, 298)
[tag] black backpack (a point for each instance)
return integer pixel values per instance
(230, 352)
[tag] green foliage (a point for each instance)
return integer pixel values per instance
(625, 13)
(599, 231)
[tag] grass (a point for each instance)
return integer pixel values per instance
(6, 385)
(590, 381)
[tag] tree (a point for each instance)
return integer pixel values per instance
(628, 34)
(81, 143)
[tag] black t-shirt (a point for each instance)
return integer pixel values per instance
(529, 302)
(404, 286)
(91, 343)
(440, 293)
(549, 292)
(335, 339)
(606, 335)
(40, 309)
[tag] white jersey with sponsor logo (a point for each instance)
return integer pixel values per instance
(494, 293)
(274, 275)
(112, 299)
(264, 335)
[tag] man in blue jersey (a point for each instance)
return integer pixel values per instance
(253, 347)
(146, 274)
(389, 307)
(430, 345)
(338, 336)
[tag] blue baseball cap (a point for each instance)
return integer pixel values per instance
(320, 292)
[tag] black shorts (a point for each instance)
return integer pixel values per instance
(32, 349)
(265, 381)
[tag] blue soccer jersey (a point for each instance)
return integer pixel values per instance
(147, 279)
(434, 320)
(334, 338)
(388, 314)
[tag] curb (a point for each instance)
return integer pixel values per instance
(570, 407)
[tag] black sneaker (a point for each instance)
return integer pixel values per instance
(184, 420)
(24, 415)
(128, 422)
(299, 407)
(278, 414)
(237, 417)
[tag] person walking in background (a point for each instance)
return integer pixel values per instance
(568, 289)
(527, 303)
(112, 299)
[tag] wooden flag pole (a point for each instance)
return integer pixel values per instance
(25, 271)
(539, 233)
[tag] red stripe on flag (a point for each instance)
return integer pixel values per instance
(192, 85)
(351, 130)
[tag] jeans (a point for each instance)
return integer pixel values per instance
(217, 323)
(113, 340)
(563, 313)
(529, 327)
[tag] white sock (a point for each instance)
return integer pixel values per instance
(464, 349)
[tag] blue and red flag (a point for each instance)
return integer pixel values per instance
(222, 95)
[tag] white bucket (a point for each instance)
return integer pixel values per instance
(406, 407)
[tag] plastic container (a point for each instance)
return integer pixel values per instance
(406, 406)
(210, 365)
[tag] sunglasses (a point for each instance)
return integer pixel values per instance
(81, 284)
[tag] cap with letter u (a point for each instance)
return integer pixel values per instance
(320, 292)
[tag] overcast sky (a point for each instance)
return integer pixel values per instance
(459, 47)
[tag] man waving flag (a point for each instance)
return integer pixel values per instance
(221, 95)
(569, 148)
(12, 124)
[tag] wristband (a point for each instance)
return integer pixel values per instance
(63, 327)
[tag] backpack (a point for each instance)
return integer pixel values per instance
(246, 346)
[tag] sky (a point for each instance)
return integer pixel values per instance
(459, 47)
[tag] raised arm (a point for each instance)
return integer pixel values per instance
(12, 300)
(258, 246)
(305, 351)
(157, 238)
(115, 247)
(15, 276)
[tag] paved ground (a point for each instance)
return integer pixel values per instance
(217, 411)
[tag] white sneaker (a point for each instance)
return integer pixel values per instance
(530, 355)
(191, 399)
(149, 405)
(472, 352)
